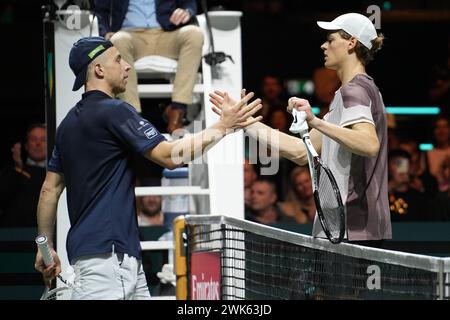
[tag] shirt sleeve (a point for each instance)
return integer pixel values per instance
(357, 105)
(131, 129)
(54, 164)
(190, 6)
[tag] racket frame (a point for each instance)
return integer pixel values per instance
(314, 162)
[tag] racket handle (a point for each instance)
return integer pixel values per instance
(299, 125)
(42, 243)
(301, 115)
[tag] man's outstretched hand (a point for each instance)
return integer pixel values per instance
(225, 106)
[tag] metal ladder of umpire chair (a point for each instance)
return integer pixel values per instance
(157, 67)
(224, 180)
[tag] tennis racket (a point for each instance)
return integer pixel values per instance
(63, 292)
(327, 197)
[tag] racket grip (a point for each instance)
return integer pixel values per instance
(42, 243)
(301, 115)
(299, 125)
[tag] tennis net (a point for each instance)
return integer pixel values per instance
(255, 261)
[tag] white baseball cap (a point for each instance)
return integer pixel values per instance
(354, 24)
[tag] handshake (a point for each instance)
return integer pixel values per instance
(235, 114)
(224, 104)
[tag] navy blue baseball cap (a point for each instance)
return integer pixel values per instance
(82, 53)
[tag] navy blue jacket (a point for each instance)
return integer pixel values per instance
(111, 13)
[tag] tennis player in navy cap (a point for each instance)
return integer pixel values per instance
(92, 158)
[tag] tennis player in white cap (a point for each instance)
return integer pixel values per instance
(352, 137)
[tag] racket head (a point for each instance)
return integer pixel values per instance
(60, 293)
(329, 206)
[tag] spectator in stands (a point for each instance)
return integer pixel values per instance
(393, 140)
(326, 83)
(392, 134)
(250, 177)
(165, 28)
(420, 177)
(441, 150)
(441, 204)
(300, 203)
(275, 116)
(271, 95)
(150, 213)
(406, 203)
(265, 208)
(21, 183)
(280, 120)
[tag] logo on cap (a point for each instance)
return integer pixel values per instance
(94, 52)
(82, 53)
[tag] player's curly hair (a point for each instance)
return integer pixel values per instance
(364, 54)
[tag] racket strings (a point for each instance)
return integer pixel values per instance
(63, 292)
(330, 205)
